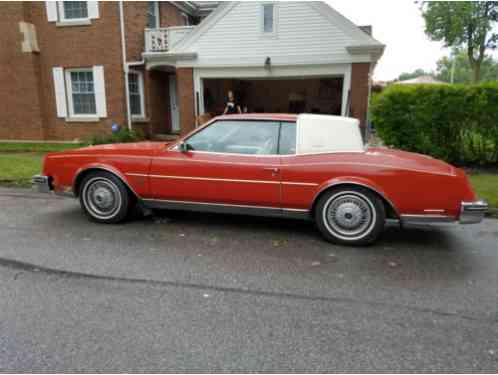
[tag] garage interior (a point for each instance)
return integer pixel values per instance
(306, 95)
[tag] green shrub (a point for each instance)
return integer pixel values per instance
(456, 123)
(121, 136)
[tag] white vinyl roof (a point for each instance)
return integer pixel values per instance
(316, 134)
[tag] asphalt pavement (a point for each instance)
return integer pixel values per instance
(188, 292)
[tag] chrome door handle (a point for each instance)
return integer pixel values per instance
(274, 171)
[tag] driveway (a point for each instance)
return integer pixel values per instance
(198, 292)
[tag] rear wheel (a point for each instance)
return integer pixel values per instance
(104, 198)
(350, 216)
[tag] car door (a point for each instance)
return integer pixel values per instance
(232, 162)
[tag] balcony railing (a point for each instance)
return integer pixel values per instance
(163, 39)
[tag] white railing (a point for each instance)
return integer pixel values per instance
(163, 39)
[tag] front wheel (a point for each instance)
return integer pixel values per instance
(104, 198)
(350, 216)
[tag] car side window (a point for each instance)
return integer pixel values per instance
(237, 137)
(287, 145)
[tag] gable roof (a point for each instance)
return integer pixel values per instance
(362, 42)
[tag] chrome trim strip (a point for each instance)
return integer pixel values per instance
(99, 156)
(430, 210)
(222, 179)
(419, 219)
(227, 208)
(213, 179)
(368, 165)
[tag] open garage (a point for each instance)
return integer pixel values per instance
(277, 95)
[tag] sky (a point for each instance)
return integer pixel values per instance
(399, 25)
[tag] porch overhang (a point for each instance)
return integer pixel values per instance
(166, 59)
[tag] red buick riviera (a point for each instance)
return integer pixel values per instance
(304, 166)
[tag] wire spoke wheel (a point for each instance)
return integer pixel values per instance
(350, 216)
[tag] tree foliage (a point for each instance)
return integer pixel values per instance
(463, 72)
(466, 24)
(409, 75)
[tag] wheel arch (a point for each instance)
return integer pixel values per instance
(82, 172)
(391, 210)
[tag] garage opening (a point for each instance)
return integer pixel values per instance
(306, 95)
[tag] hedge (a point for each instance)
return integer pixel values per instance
(456, 123)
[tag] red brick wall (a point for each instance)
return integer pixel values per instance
(170, 15)
(359, 91)
(186, 103)
(27, 90)
(21, 113)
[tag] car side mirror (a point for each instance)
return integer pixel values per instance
(183, 147)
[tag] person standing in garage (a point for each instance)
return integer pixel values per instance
(232, 107)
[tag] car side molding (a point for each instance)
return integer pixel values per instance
(293, 213)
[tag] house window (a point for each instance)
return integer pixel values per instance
(136, 91)
(153, 15)
(73, 10)
(81, 95)
(268, 18)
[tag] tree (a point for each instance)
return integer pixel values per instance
(416, 73)
(463, 72)
(466, 24)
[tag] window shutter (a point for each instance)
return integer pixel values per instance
(60, 92)
(93, 9)
(51, 7)
(99, 85)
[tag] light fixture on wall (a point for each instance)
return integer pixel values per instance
(268, 63)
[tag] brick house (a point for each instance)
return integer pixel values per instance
(72, 69)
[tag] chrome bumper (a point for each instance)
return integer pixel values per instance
(41, 183)
(472, 212)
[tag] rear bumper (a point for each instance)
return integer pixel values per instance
(41, 183)
(472, 212)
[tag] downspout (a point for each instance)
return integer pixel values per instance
(370, 78)
(125, 65)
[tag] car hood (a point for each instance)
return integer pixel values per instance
(411, 160)
(137, 148)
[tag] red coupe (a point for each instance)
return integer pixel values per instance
(305, 166)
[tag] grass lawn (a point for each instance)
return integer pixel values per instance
(486, 187)
(16, 169)
(36, 147)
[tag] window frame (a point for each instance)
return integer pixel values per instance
(62, 15)
(273, 33)
(176, 147)
(140, 81)
(69, 93)
(156, 15)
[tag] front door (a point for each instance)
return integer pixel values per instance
(228, 162)
(175, 118)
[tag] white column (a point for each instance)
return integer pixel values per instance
(346, 87)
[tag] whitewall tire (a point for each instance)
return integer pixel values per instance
(350, 215)
(104, 198)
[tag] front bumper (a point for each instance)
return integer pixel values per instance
(42, 183)
(472, 212)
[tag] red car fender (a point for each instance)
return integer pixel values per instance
(358, 181)
(103, 167)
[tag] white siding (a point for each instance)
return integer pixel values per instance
(303, 36)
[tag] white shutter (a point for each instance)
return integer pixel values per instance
(93, 9)
(60, 92)
(51, 7)
(99, 86)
